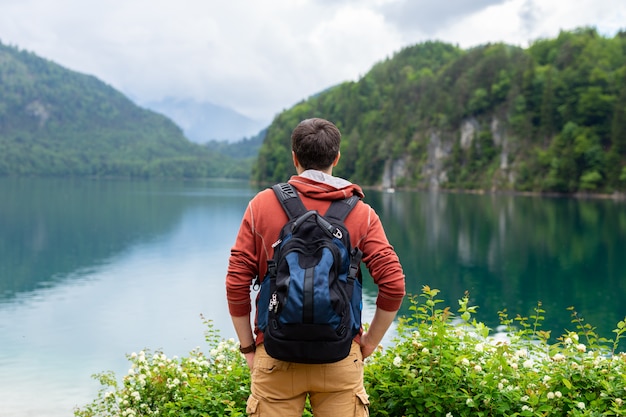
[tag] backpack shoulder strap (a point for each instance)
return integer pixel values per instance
(290, 201)
(339, 209)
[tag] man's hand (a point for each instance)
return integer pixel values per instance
(367, 348)
(250, 359)
(374, 335)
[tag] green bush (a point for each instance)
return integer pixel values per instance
(198, 385)
(448, 365)
(440, 364)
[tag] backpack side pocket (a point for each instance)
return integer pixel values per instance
(356, 303)
(263, 303)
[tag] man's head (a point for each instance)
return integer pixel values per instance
(315, 144)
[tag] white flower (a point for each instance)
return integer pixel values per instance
(521, 353)
(550, 395)
(397, 361)
(425, 351)
(479, 347)
(581, 405)
(528, 363)
(581, 348)
(465, 362)
(469, 402)
(619, 402)
(449, 415)
(558, 357)
(478, 368)
(558, 394)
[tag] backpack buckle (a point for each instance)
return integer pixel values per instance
(271, 268)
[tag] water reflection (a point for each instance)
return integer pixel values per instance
(512, 252)
(93, 270)
(51, 228)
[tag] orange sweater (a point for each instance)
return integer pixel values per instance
(261, 226)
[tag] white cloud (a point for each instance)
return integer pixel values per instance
(428, 16)
(521, 22)
(260, 57)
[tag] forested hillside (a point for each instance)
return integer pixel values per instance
(56, 122)
(547, 118)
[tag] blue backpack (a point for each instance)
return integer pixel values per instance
(310, 301)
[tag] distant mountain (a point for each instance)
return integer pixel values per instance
(246, 149)
(203, 121)
(57, 122)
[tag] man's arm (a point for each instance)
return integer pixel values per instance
(374, 335)
(244, 333)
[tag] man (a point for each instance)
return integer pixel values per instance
(336, 389)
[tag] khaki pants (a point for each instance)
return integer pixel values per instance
(334, 389)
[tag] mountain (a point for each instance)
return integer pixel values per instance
(548, 118)
(203, 121)
(246, 149)
(57, 122)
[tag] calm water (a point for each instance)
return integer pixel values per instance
(93, 270)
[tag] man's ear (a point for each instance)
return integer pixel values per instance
(337, 159)
(296, 163)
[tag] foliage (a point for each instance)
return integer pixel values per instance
(197, 385)
(56, 122)
(548, 118)
(448, 365)
(441, 364)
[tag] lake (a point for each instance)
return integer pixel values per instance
(91, 271)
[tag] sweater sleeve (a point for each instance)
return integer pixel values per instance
(383, 265)
(242, 268)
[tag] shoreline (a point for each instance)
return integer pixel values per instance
(615, 196)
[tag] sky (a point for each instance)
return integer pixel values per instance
(260, 57)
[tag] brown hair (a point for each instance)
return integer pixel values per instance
(315, 143)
